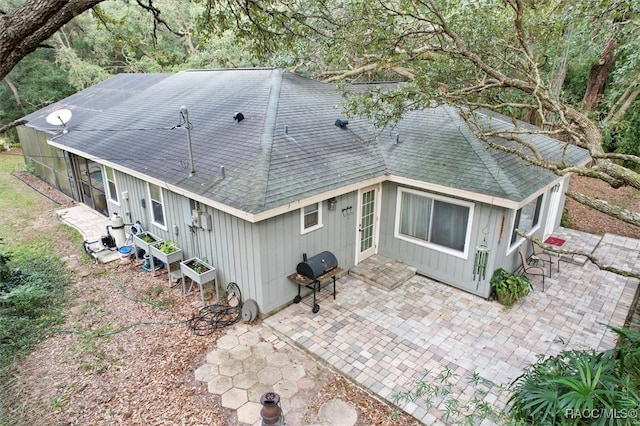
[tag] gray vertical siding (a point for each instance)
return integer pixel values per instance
(258, 256)
(282, 247)
(455, 271)
(441, 266)
(231, 246)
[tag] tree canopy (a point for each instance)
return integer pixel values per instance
(569, 67)
(509, 56)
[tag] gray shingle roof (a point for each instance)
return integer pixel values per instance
(130, 121)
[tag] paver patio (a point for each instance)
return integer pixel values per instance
(383, 340)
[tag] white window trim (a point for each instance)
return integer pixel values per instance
(319, 225)
(467, 240)
(518, 242)
(150, 207)
(108, 188)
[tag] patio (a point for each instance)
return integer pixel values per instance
(382, 340)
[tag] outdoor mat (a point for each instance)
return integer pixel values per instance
(554, 241)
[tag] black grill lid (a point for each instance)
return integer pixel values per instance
(317, 265)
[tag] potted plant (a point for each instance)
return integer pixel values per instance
(510, 287)
(198, 270)
(167, 251)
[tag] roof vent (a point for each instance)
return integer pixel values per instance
(238, 116)
(342, 122)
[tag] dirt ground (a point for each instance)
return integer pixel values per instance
(127, 356)
(587, 220)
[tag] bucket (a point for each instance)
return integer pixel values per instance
(125, 252)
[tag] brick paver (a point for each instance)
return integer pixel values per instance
(384, 339)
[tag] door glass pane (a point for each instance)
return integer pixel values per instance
(366, 220)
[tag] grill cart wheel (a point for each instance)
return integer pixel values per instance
(297, 299)
(315, 309)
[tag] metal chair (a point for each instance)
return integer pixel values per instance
(531, 269)
(544, 257)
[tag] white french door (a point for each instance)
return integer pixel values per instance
(367, 222)
(552, 212)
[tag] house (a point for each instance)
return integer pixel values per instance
(261, 166)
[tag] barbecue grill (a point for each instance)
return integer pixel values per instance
(311, 271)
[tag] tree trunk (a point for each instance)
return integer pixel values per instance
(598, 75)
(25, 28)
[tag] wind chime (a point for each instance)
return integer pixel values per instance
(480, 262)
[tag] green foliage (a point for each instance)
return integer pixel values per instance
(39, 81)
(510, 287)
(146, 238)
(565, 220)
(439, 389)
(628, 353)
(580, 388)
(32, 292)
(167, 247)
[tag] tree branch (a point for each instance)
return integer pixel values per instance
(11, 125)
(593, 259)
(603, 206)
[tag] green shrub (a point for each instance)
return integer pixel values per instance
(32, 292)
(575, 388)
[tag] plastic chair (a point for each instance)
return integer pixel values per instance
(544, 257)
(531, 269)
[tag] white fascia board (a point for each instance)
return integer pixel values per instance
(249, 217)
(296, 205)
(474, 196)
(459, 193)
(207, 201)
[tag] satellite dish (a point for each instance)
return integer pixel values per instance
(59, 118)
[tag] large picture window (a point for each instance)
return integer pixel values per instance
(157, 206)
(527, 218)
(433, 221)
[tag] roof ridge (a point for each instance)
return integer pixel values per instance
(266, 140)
(481, 150)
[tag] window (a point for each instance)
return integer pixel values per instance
(112, 189)
(311, 218)
(527, 218)
(157, 205)
(433, 221)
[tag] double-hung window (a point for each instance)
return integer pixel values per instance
(310, 218)
(432, 221)
(527, 218)
(112, 188)
(157, 206)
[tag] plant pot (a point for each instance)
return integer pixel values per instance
(167, 258)
(506, 299)
(198, 270)
(145, 239)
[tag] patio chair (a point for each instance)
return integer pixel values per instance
(530, 269)
(541, 255)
